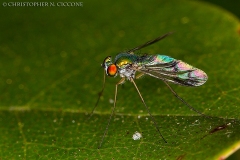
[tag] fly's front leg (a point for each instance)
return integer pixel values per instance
(99, 95)
(121, 81)
(114, 106)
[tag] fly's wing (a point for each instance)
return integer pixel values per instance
(148, 43)
(172, 70)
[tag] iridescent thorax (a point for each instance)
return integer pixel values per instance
(124, 59)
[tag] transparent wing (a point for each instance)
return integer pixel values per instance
(172, 70)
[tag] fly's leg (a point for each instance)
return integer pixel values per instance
(184, 102)
(99, 95)
(139, 75)
(155, 123)
(114, 106)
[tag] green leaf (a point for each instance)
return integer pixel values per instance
(50, 80)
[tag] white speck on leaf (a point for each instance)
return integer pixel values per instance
(111, 101)
(137, 136)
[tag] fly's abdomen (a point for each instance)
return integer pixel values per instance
(163, 59)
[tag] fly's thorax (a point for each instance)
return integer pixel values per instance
(125, 63)
(110, 68)
(125, 59)
(127, 72)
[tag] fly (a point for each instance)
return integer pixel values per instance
(163, 67)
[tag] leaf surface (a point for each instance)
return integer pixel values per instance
(50, 57)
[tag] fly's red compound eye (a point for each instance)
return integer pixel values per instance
(112, 70)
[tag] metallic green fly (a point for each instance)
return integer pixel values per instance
(163, 67)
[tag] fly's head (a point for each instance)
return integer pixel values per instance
(110, 68)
